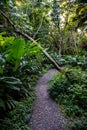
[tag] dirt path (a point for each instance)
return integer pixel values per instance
(46, 114)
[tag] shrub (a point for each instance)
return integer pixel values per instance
(70, 90)
(19, 69)
(18, 118)
(73, 60)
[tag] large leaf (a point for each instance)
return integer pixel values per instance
(16, 52)
(10, 80)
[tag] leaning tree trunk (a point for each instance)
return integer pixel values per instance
(30, 38)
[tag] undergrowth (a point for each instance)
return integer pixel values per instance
(69, 89)
(72, 60)
(20, 66)
(18, 118)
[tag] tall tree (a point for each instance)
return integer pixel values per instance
(56, 20)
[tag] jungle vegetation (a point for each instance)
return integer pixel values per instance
(35, 36)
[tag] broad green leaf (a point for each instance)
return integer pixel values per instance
(16, 52)
(1, 70)
(18, 49)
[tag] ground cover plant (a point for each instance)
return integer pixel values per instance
(69, 89)
(72, 60)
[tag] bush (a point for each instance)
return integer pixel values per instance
(73, 60)
(18, 118)
(70, 90)
(20, 65)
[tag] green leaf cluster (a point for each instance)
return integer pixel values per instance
(20, 115)
(17, 60)
(16, 52)
(70, 90)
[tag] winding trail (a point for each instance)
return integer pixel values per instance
(46, 114)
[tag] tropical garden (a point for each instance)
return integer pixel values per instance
(36, 36)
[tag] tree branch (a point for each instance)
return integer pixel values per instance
(38, 28)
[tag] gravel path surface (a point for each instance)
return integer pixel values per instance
(46, 114)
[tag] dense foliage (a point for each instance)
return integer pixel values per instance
(19, 69)
(20, 115)
(60, 26)
(70, 91)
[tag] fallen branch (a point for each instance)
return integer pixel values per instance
(30, 38)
